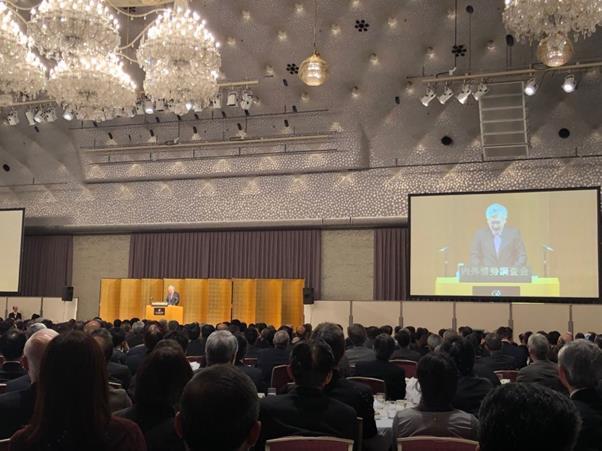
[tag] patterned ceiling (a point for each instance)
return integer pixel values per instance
(366, 115)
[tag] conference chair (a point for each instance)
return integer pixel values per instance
(409, 366)
(4, 444)
(280, 377)
(377, 385)
(309, 444)
(507, 374)
(249, 361)
(427, 443)
(200, 359)
(2, 388)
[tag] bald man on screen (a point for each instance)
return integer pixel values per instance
(498, 245)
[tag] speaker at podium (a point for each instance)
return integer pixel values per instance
(158, 311)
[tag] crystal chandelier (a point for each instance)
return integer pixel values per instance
(68, 28)
(181, 60)
(314, 70)
(20, 70)
(95, 88)
(553, 23)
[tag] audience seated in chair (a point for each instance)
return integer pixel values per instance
(207, 419)
(278, 355)
(11, 348)
(580, 367)
(435, 415)
(497, 360)
(251, 371)
(527, 417)
(196, 346)
(120, 346)
(381, 368)
(116, 371)
(471, 389)
(135, 355)
(404, 352)
(221, 348)
(520, 354)
(541, 370)
(306, 409)
(159, 384)
(72, 406)
(358, 352)
(16, 407)
(136, 335)
(252, 335)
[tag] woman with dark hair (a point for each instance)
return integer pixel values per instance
(72, 406)
(306, 410)
(159, 384)
(435, 415)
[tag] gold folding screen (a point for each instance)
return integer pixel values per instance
(273, 301)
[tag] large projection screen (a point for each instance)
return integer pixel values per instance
(11, 244)
(519, 245)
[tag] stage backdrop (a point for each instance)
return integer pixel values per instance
(272, 301)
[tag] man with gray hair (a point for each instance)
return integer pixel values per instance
(221, 347)
(271, 357)
(16, 407)
(580, 368)
(541, 370)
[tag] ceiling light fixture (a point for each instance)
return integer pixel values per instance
(313, 71)
(445, 95)
(531, 87)
(481, 91)
(464, 94)
(428, 96)
(569, 84)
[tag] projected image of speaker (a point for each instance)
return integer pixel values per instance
(67, 294)
(308, 296)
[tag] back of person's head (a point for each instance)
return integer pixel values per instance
(527, 417)
(580, 363)
(598, 341)
(281, 339)
(173, 325)
(91, 326)
(117, 323)
(32, 328)
(242, 347)
(162, 377)
(178, 337)
(267, 335)
(194, 331)
(388, 330)
(221, 347)
(433, 341)
(207, 330)
(357, 334)
(105, 341)
(461, 352)
(34, 350)
(465, 331)
(312, 363)
(421, 335)
(72, 396)
(333, 335)
(12, 344)
(251, 335)
(219, 411)
(118, 335)
(403, 338)
(138, 328)
(372, 332)
(539, 347)
(384, 346)
(438, 378)
(553, 337)
(493, 342)
(504, 333)
(152, 336)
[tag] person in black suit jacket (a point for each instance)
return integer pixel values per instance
(381, 368)
(497, 360)
(497, 245)
(542, 370)
(253, 372)
(580, 368)
(16, 407)
(15, 314)
(116, 372)
(270, 357)
(404, 352)
(307, 410)
(520, 354)
(11, 347)
(136, 355)
(195, 346)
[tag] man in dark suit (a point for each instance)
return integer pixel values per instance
(16, 407)
(497, 360)
(195, 346)
(381, 368)
(173, 297)
(580, 367)
(15, 314)
(404, 352)
(11, 347)
(541, 371)
(117, 372)
(510, 348)
(498, 245)
(271, 357)
(136, 355)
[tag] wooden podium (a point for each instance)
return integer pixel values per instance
(168, 313)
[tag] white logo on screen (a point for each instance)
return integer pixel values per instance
(496, 293)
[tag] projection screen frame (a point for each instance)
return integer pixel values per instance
(22, 210)
(506, 299)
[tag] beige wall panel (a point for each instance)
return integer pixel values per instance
(482, 315)
(376, 313)
(329, 311)
(97, 257)
(432, 315)
(347, 265)
(536, 317)
(587, 318)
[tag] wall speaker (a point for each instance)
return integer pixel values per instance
(308, 296)
(67, 294)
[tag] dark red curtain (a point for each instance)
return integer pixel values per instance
(391, 260)
(287, 254)
(47, 264)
